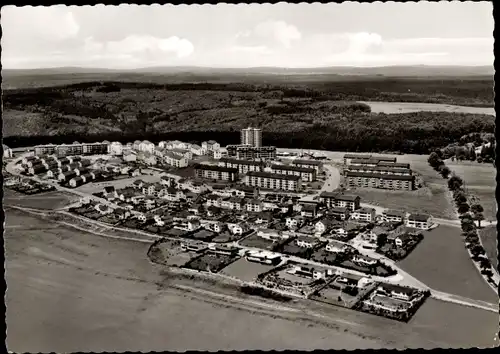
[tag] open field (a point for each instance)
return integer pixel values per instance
(489, 239)
(98, 295)
(442, 262)
(480, 182)
(210, 262)
(258, 242)
(48, 200)
(408, 107)
(245, 270)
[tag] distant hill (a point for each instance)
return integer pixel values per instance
(389, 71)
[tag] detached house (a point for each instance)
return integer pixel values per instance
(213, 200)
(363, 214)
(419, 221)
(393, 216)
(333, 199)
(305, 241)
(110, 192)
(364, 260)
(254, 205)
(240, 229)
(324, 225)
(294, 222)
(340, 213)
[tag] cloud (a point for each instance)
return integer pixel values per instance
(135, 44)
(270, 33)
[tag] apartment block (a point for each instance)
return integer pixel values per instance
(251, 136)
(216, 172)
(243, 166)
(377, 180)
(340, 200)
(273, 181)
(317, 165)
(306, 174)
(247, 152)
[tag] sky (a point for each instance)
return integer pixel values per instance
(248, 35)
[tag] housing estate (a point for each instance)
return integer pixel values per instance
(306, 174)
(334, 199)
(216, 172)
(377, 180)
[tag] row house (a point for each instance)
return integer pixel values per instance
(216, 172)
(333, 199)
(273, 181)
(66, 176)
(306, 174)
(37, 169)
(364, 214)
(28, 159)
(310, 164)
(376, 180)
(243, 166)
(76, 182)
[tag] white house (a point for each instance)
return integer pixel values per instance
(336, 247)
(7, 152)
(324, 225)
(294, 222)
(364, 260)
(306, 242)
(254, 205)
(363, 214)
(130, 156)
(393, 216)
(240, 229)
(147, 146)
(196, 150)
(419, 221)
(116, 148)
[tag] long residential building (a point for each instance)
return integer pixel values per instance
(72, 149)
(243, 166)
(216, 172)
(317, 165)
(273, 181)
(306, 174)
(379, 169)
(378, 180)
(247, 152)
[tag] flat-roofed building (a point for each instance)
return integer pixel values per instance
(273, 181)
(247, 152)
(394, 164)
(216, 172)
(251, 136)
(373, 161)
(349, 157)
(317, 165)
(377, 180)
(384, 170)
(243, 166)
(306, 174)
(335, 199)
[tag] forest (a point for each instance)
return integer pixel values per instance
(310, 116)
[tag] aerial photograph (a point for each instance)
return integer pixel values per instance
(249, 177)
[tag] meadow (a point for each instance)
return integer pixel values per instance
(441, 262)
(490, 243)
(72, 291)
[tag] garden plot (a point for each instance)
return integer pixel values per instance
(210, 262)
(256, 241)
(246, 270)
(170, 253)
(280, 279)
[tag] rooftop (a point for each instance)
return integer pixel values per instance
(357, 156)
(240, 162)
(339, 196)
(292, 168)
(397, 213)
(216, 168)
(419, 217)
(273, 175)
(306, 162)
(378, 175)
